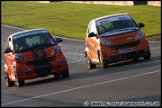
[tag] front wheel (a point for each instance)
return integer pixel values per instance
(19, 82)
(57, 75)
(65, 74)
(135, 59)
(104, 64)
(90, 64)
(147, 57)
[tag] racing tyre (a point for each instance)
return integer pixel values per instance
(103, 64)
(19, 82)
(65, 74)
(147, 57)
(90, 64)
(57, 75)
(8, 82)
(135, 59)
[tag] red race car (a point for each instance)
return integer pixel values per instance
(33, 53)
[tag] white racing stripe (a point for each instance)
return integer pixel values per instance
(81, 87)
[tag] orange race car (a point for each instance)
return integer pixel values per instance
(114, 38)
(33, 53)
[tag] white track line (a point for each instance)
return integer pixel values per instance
(112, 64)
(27, 29)
(155, 48)
(81, 87)
(13, 27)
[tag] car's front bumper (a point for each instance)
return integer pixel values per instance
(127, 56)
(34, 69)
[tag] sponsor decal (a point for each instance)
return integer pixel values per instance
(29, 33)
(111, 19)
(39, 53)
(127, 50)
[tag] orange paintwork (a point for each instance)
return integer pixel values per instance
(41, 59)
(116, 45)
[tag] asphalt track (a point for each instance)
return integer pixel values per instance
(125, 84)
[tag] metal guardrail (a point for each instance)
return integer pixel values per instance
(122, 3)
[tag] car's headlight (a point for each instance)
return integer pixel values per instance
(140, 35)
(105, 42)
(18, 57)
(24, 70)
(58, 49)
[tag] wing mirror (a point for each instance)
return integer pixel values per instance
(92, 34)
(8, 50)
(59, 40)
(141, 25)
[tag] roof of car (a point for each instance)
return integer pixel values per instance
(24, 31)
(112, 15)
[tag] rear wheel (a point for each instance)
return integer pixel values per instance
(8, 82)
(90, 64)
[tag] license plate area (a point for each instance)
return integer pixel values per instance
(43, 69)
(42, 66)
(126, 50)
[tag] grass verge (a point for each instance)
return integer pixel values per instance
(71, 19)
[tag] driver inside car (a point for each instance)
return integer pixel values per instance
(21, 44)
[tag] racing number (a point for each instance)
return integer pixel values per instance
(39, 54)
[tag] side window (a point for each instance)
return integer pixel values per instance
(91, 27)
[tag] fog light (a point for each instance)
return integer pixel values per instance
(57, 67)
(24, 70)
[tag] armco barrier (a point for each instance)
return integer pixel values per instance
(121, 3)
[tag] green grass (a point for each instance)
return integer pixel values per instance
(71, 19)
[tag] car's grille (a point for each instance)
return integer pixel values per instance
(121, 46)
(124, 56)
(39, 62)
(42, 70)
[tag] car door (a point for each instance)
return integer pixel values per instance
(92, 42)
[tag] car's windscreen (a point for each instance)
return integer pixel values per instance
(27, 42)
(116, 25)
